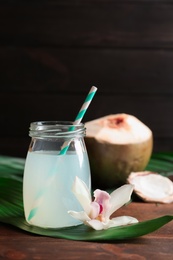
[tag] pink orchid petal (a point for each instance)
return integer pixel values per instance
(82, 194)
(119, 197)
(82, 216)
(95, 210)
(102, 198)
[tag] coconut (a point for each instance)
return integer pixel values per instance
(151, 186)
(117, 145)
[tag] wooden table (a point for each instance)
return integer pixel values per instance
(17, 244)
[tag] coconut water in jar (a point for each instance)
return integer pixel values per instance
(50, 173)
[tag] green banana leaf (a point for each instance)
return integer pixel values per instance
(11, 205)
(11, 167)
(161, 163)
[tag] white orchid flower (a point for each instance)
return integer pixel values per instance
(97, 213)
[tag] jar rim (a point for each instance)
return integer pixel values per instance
(56, 129)
(54, 124)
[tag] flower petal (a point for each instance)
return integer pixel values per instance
(82, 194)
(119, 197)
(95, 210)
(122, 221)
(102, 198)
(95, 224)
(79, 215)
(114, 222)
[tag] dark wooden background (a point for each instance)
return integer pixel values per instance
(52, 52)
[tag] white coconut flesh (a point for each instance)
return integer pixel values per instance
(118, 129)
(152, 187)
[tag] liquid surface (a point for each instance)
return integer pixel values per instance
(48, 180)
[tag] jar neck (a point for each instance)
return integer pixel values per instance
(56, 129)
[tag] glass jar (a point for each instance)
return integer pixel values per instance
(56, 154)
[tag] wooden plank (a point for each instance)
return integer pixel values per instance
(122, 47)
(18, 146)
(113, 71)
(124, 24)
(19, 110)
(157, 245)
(14, 146)
(164, 144)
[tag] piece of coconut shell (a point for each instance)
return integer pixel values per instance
(152, 187)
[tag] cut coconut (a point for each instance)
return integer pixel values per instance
(117, 145)
(151, 186)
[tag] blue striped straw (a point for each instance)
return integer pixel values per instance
(79, 116)
(63, 151)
